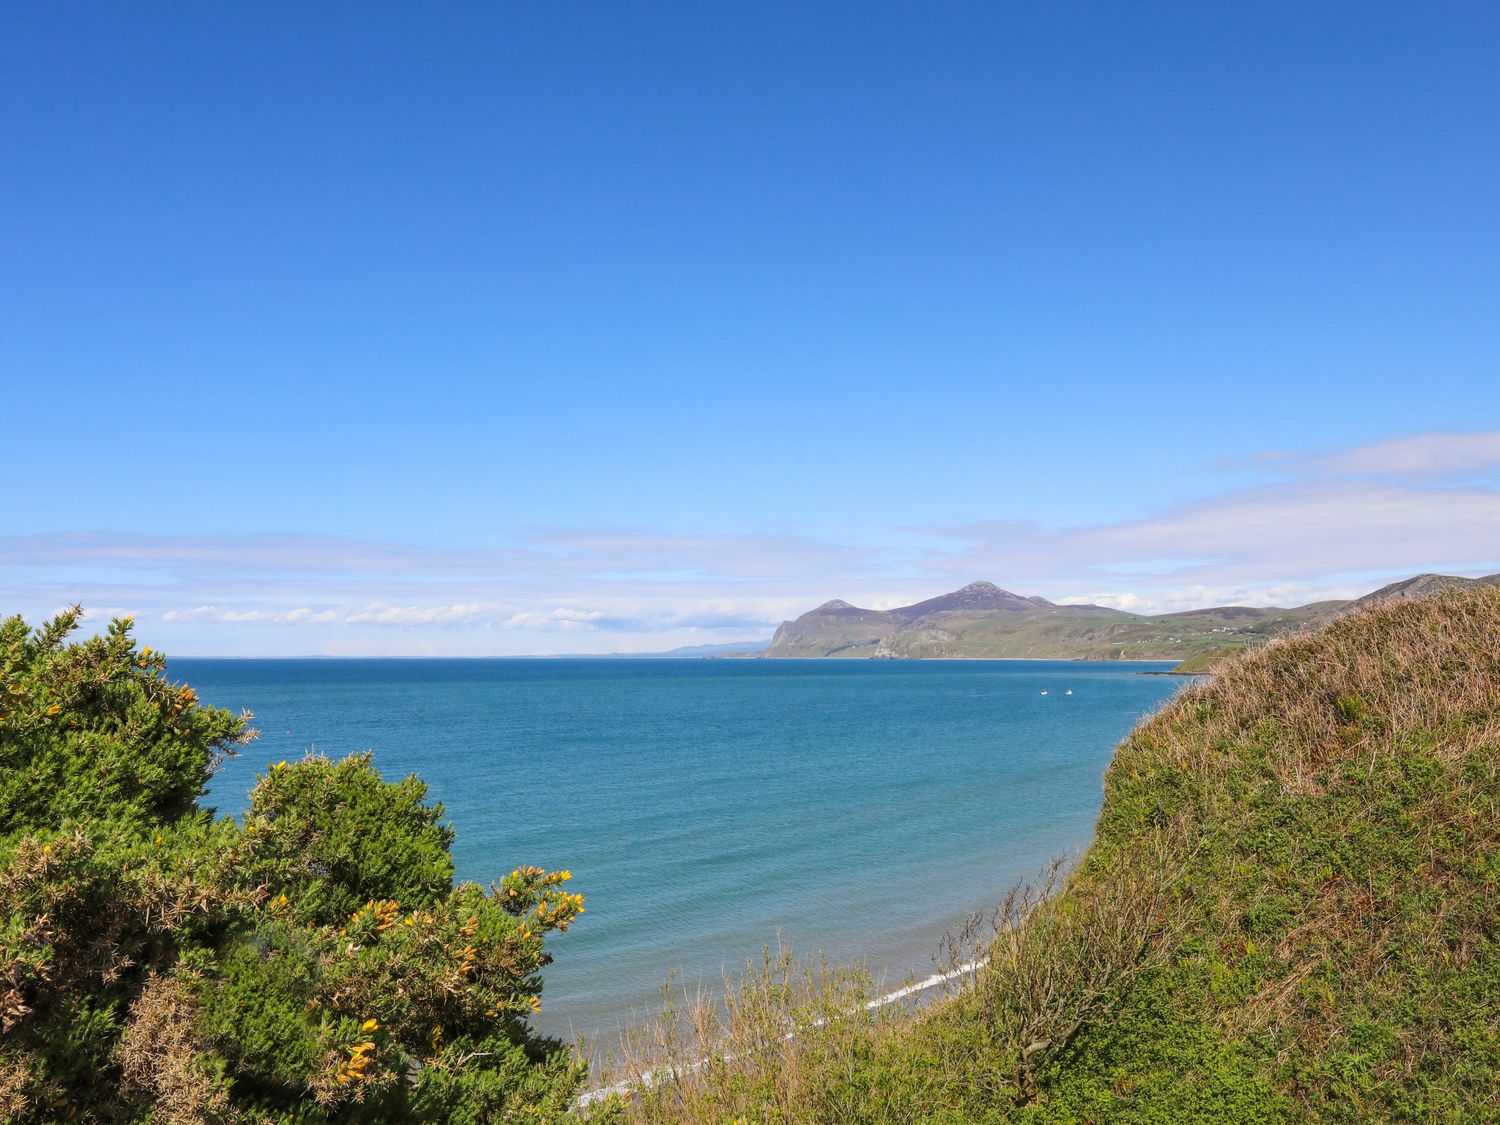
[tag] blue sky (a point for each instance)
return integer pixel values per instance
(525, 328)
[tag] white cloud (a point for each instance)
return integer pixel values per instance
(1410, 457)
(1341, 525)
(610, 614)
(1179, 599)
(1260, 537)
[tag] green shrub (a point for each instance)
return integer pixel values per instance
(94, 732)
(333, 835)
(313, 963)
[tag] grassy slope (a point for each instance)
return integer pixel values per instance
(1333, 801)
(1337, 795)
(1204, 662)
(1288, 913)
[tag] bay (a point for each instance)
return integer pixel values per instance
(708, 808)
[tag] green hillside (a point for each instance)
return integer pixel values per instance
(981, 621)
(1204, 662)
(1288, 914)
(1096, 633)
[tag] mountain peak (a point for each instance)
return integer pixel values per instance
(975, 596)
(833, 606)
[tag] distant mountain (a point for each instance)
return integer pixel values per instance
(687, 652)
(691, 652)
(982, 621)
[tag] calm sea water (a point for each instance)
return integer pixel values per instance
(706, 806)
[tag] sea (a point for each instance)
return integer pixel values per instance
(711, 808)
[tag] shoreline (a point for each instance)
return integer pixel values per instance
(971, 659)
(651, 1077)
(902, 969)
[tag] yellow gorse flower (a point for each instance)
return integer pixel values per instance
(357, 1065)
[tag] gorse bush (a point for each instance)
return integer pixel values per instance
(333, 835)
(94, 732)
(313, 962)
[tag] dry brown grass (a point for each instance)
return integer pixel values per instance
(1356, 687)
(778, 1043)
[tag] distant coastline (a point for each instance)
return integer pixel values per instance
(981, 621)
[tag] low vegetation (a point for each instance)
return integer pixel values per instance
(1204, 663)
(310, 962)
(1288, 914)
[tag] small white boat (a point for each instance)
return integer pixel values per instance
(1068, 692)
(1044, 691)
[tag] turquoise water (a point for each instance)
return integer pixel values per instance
(706, 806)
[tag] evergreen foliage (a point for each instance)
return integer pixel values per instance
(312, 963)
(333, 835)
(94, 731)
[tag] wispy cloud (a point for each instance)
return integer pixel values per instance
(610, 614)
(1330, 524)
(539, 552)
(730, 558)
(1311, 533)
(1183, 598)
(254, 553)
(1408, 457)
